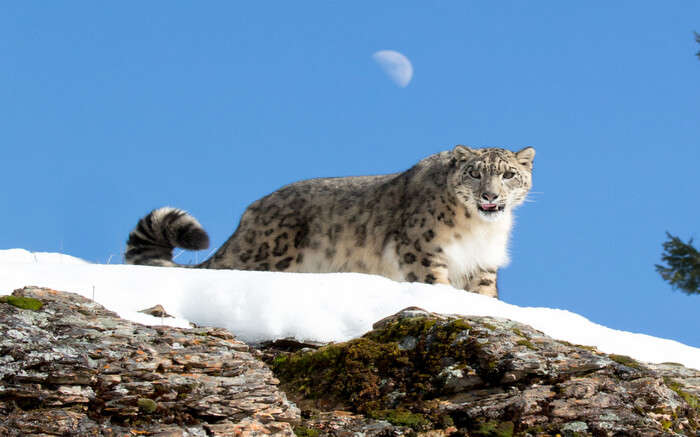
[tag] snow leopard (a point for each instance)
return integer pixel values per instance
(446, 220)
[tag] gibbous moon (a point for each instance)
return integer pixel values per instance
(395, 65)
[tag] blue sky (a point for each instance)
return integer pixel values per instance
(110, 110)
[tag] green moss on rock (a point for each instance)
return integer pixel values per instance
(493, 428)
(26, 303)
(692, 400)
(527, 343)
(489, 326)
(402, 417)
(347, 372)
(626, 361)
(517, 331)
(302, 431)
(147, 405)
(365, 374)
(582, 346)
(399, 329)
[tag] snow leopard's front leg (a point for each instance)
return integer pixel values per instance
(484, 281)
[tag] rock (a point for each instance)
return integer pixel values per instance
(687, 380)
(291, 344)
(484, 376)
(347, 424)
(156, 311)
(71, 367)
(268, 350)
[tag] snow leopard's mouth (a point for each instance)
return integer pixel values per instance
(491, 208)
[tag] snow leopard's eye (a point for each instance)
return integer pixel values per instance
(508, 175)
(474, 173)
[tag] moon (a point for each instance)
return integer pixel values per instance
(395, 65)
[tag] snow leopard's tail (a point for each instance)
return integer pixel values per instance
(156, 235)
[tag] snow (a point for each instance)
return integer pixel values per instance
(258, 306)
(12, 256)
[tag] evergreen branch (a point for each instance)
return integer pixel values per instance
(683, 265)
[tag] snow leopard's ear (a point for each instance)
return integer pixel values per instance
(463, 153)
(525, 157)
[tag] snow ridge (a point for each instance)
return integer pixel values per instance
(258, 306)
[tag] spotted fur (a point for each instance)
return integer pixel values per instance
(446, 220)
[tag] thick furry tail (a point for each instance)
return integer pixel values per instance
(156, 235)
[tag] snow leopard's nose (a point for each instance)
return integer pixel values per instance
(488, 196)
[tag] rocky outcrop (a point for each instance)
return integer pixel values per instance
(482, 376)
(70, 367)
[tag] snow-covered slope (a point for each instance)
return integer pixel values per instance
(326, 307)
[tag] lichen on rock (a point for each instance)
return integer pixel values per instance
(483, 376)
(74, 368)
(71, 367)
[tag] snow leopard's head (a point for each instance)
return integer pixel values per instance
(490, 182)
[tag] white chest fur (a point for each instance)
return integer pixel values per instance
(475, 245)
